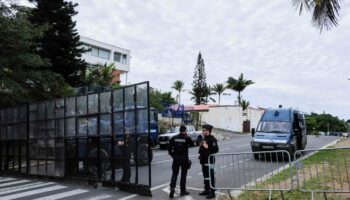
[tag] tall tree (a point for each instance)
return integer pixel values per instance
(61, 43)
(24, 75)
(199, 84)
(178, 86)
(325, 13)
(238, 85)
(219, 89)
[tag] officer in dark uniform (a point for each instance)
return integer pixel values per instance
(178, 150)
(208, 147)
(125, 157)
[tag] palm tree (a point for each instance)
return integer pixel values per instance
(238, 85)
(101, 75)
(324, 12)
(219, 89)
(245, 104)
(178, 86)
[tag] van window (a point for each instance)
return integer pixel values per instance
(274, 127)
(277, 115)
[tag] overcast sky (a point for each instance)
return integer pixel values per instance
(290, 62)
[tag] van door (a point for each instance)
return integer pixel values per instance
(303, 129)
(297, 131)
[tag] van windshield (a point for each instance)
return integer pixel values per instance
(274, 127)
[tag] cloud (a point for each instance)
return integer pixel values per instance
(290, 62)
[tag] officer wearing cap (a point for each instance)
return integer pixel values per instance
(178, 150)
(208, 147)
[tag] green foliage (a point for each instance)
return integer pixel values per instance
(325, 13)
(24, 75)
(61, 43)
(238, 85)
(245, 104)
(219, 89)
(199, 85)
(159, 100)
(178, 86)
(101, 75)
(325, 122)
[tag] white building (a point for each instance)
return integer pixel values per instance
(101, 53)
(231, 117)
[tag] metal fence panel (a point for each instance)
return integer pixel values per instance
(249, 170)
(78, 136)
(326, 170)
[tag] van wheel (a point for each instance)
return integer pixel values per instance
(256, 156)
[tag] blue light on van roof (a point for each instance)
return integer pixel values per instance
(277, 115)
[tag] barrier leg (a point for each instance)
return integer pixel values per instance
(312, 195)
(325, 196)
(270, 194)
(217, 194)
(282, 195)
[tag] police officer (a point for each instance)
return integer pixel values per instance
(208, 147)
(178, 150)
(125, 158)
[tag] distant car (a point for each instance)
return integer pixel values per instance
(345, 134)
(195, 136)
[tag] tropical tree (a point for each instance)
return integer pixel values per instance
(238, 85)
(219, 89)
(159, 100)
(178, 86)
(324, 12)
(101, 75)
(199, 84)
(61, 42)
(244, 104)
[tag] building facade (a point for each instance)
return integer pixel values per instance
(100, 53)
(232, 117)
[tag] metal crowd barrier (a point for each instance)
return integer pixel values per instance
(329, 172)
(249, 170)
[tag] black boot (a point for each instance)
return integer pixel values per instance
(204, 193)
(171, 194)
(183, 193)
(211, 196)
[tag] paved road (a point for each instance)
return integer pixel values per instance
(16, 188)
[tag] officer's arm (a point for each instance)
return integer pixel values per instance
(171, 146)
(214, 148)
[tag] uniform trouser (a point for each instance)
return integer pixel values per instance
(126, 170)
(177, 163)
(205, 170)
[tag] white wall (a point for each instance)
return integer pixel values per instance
(231, 117)
(96, 60)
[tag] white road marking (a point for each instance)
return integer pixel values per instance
(63, 195)
(7, 179)
(13, 183)
(100, 197)
(154, 188)
(33, 192)
(200, 173)
(24, 187)
(225, 149)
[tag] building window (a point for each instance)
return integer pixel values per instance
(103, 54)
(97, 52)
(124, 59)
(117, 56)
(94, 51)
